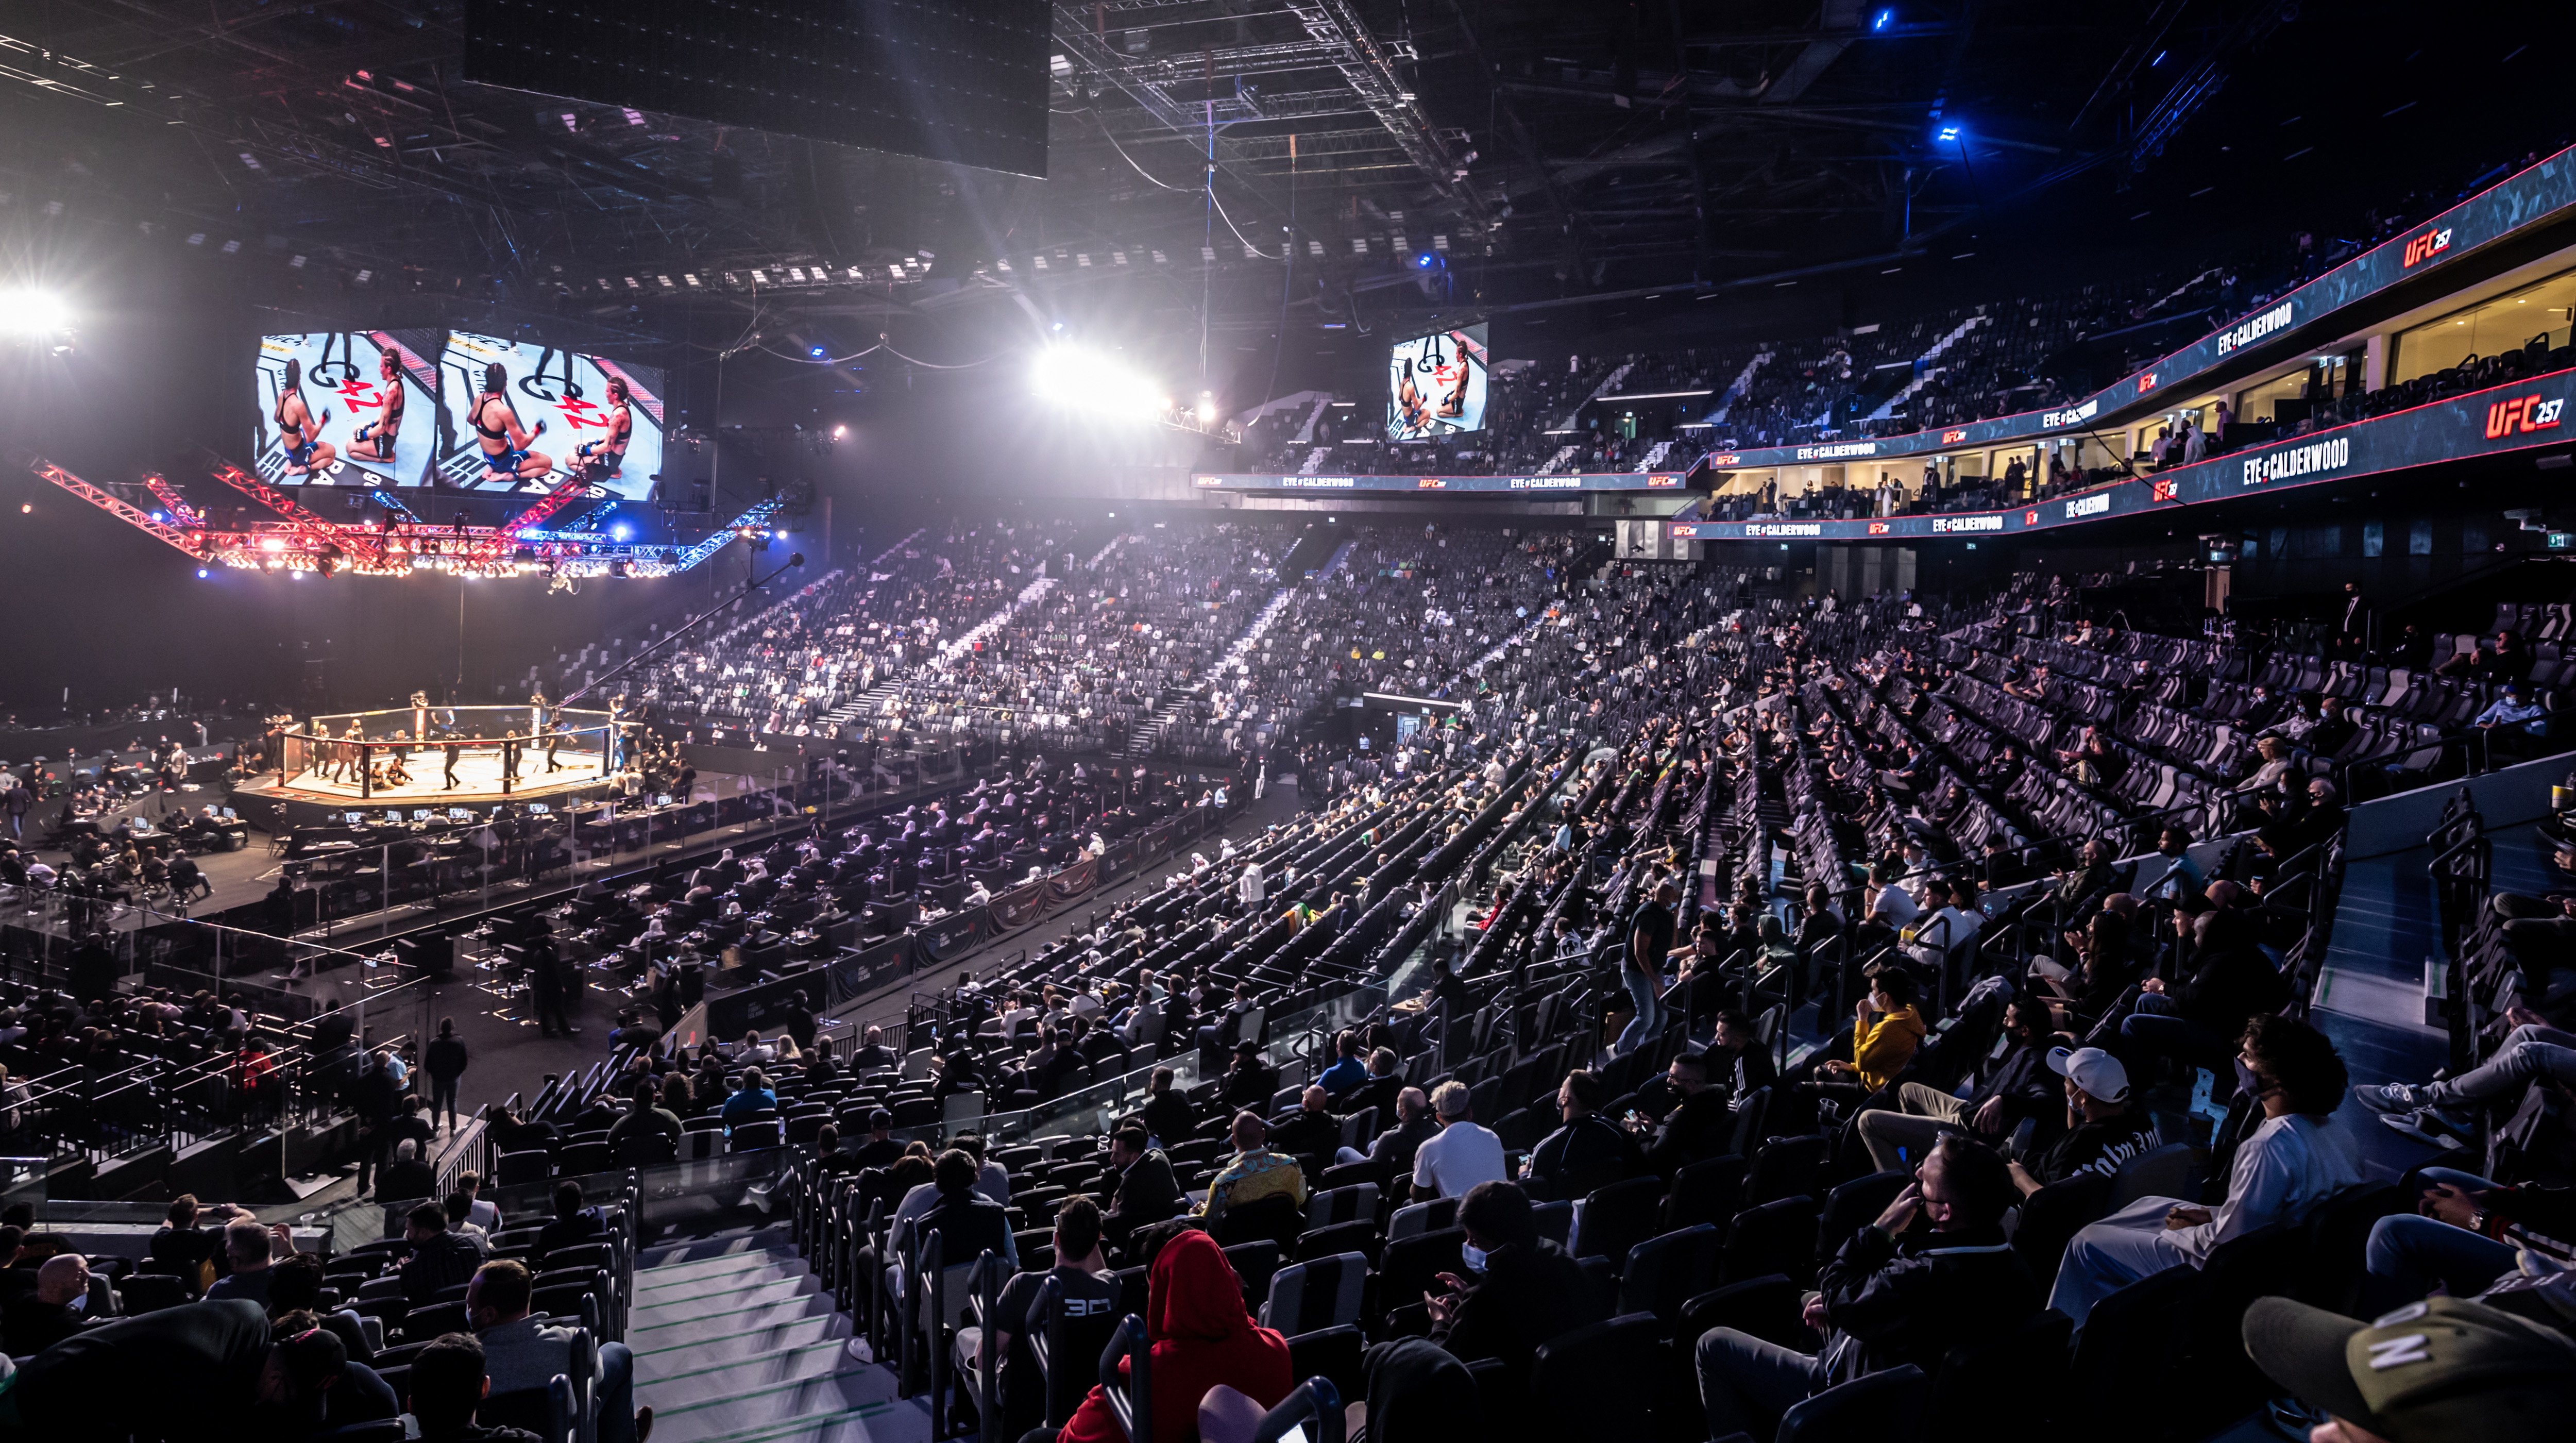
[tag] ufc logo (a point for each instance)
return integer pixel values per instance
(2424, 247)
(2030, 518)
(2146, 383)
(2521, 415)
(1953, 437)
(2163, 490)
(1878, 528)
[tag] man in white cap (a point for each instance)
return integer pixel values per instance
(2101, 1130)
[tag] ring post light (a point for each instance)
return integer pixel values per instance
(1085, 381)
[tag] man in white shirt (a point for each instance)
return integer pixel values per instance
(1892, 906)
(2291, 1162)
(1957, 920)
(1250, 888)
(1460, 1155)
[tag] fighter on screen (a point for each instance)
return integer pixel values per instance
(375, 440)
(597, 461)
(299, 430)
(505, 442)
(1436, 386)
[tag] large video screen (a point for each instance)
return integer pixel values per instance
(560, 401)
(347, 408)
(1435, 385)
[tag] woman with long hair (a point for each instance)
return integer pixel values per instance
(298, 430)
(505, 442)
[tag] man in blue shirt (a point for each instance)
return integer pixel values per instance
(1347, 1071)
(2509, 709)
(753, 1096)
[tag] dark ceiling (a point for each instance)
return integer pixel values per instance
(1402, 156)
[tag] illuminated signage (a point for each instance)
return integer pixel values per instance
(2327, 455)
(1430, 483)
(1547, 483)
(1840, 448)
(1784, 528)
(1207, 481)
(2246, 332)
(1658, 481)
(2521, 416)
(2088, 505)
(2164, 488)
(2030, 518)
(2071, 414)
(1878, 528)
(1337, 483)
(2146, 382)
(1728, 459)
(2426, 246)
(1953, 438)
(1946, 525)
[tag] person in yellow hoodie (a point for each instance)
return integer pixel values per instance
(1885, 1031)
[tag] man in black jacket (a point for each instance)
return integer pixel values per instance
(2011, 1088)
(1587, 1152)
(1698, 1127)
(1530, 1290)
(1934, 1269)
(438, 1260)
(1739, 1049)
(1147, 1194)
(1311, 1130)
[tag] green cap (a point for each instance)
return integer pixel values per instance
(2443, 1370)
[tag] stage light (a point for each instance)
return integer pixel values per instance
(839, 432)
(1207, 408)
(1885, 18)
(1080, 379)
(1423, 260)
(622, 532)
(1949, 132)
(818, 353)
(27, 311)
(203, 573)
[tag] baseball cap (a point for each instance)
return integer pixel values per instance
(880, 1118)
(2431, 1372)
(2097, 1072)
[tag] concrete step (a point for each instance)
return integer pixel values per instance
(711, 1317)
(674, 1349)
(779, 1403)
(736, 1377)
(751, 1270)
(900, 1421)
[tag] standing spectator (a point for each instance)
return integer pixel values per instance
(445, 1064)
(1650, 939)
(377, 1099)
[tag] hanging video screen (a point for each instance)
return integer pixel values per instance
(524, 416)
(1435, 385)
(347, 408)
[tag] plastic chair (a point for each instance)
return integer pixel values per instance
(1598, 1381)
(1325, 1293)
(1886, 1405)
(1766, 1307)
(1777, 1237)
(1661, 1274)
(1616, 1218)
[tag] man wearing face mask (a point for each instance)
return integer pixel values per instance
(1932, 1270)
(2289, 1164)
(1526, 1290)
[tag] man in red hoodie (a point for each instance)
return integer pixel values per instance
(1202, 1338)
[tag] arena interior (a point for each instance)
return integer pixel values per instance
(1681, 722)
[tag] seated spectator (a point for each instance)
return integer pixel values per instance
(295, 1285)
(750, 1098)
(1385, 1079)
(1397, 1145)
(1147, 1191)
(2290, 1163)
(351, 1393)
(1931, 1270)
(1588, 1152)
(2193, 1017)
(2102, 1130)
(2009, 1089)
(1310, 1131)
(573, 1223)
(880, 1150)
(1167, 1115)
(1254, 1173)
(2533, 1051)
(1885, 1031)
(520, 1353)
(1088, 1290)
(1700, 1124)
(460, 1221)
(438, 1259)
(644, 1117)
(967, 1222)
(2433, 1372)
(186, 1247)
(248, 1251)
(1346, 1074)
(214, 1375)
(1749, 1065)
(56, 1309)
(872, 1054)
(1525, 1289)
(1201, 1338)
(1461, 1155)
(448, 1384)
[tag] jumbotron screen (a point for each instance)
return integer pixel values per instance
(530, 432)
(1435, 385)
(348, 408)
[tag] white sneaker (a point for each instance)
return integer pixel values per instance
(2388, 1097)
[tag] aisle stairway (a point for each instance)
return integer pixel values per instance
(1168, 707)
(735, 1342)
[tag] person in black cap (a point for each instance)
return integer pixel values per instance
(880, 1150)
(2444, 1370)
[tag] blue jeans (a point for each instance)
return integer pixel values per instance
(616, 1393)
(2529, 1052)
(2408, 1255)
(1649, 1021)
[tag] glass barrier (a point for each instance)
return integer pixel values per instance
(680, 1194)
